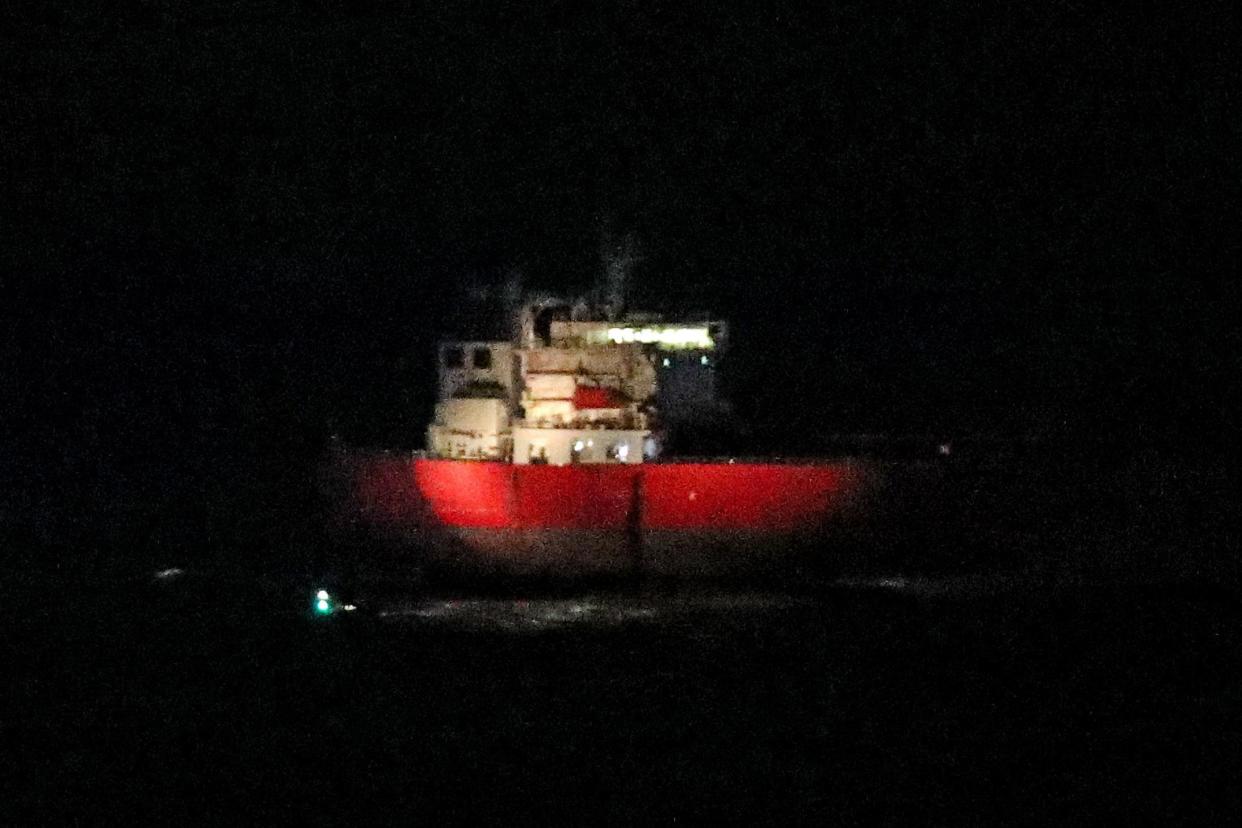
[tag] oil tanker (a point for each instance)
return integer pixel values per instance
(546, 457)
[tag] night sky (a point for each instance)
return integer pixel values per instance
(239, 227)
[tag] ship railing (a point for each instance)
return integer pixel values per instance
(636, 422)
(746, 460)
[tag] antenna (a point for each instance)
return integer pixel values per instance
(618, 255)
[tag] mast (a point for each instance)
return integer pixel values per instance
(618, 255)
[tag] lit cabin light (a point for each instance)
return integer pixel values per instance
(667, 362)
(579, 445)
(667, 337)
(703, 360)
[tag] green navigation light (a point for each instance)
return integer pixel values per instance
(323, 602)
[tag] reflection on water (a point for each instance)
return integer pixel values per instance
(591, 611)
(963, 586)
(415, 608)
(604, 610)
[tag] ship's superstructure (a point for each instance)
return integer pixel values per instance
(574, 386)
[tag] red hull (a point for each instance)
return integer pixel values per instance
(666, 518)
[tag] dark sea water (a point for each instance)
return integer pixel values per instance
(187, 695)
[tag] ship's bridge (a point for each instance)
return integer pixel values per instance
(581, 391)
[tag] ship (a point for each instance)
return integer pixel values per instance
(548, 456)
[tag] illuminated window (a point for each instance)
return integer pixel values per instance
(482, 358)
(664, 336)
(453, 357)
